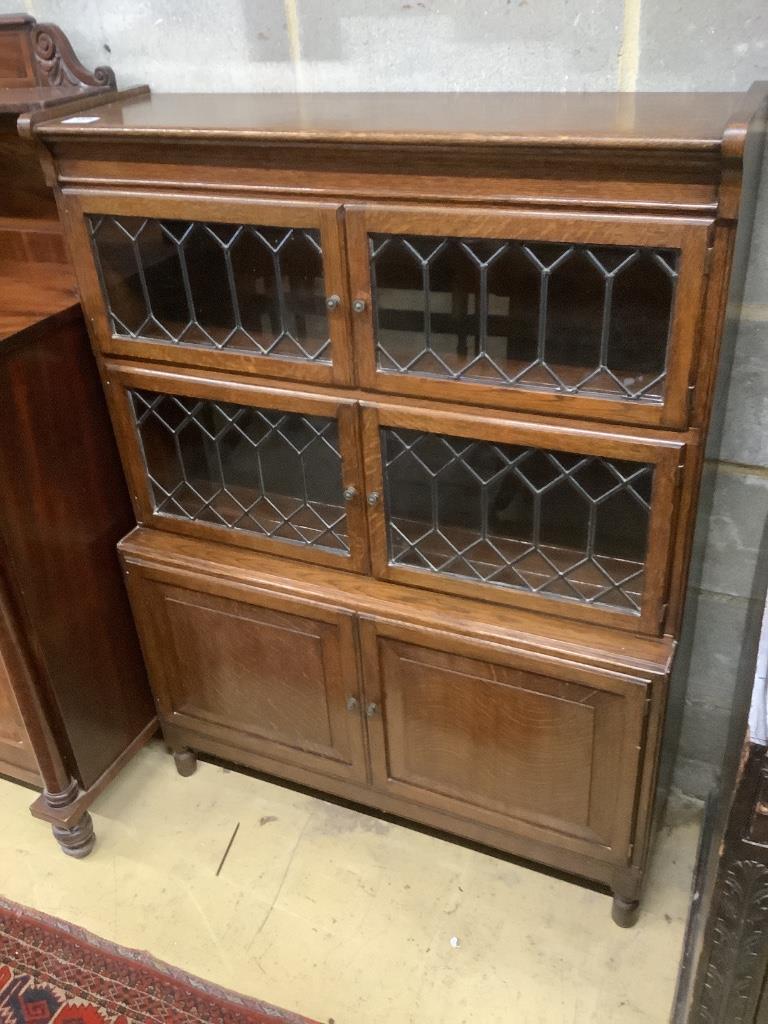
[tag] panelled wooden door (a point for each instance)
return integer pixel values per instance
(576, 521)
(591, 317)
(243, 285)
(532, 746)
(272, 676)
(274, 470)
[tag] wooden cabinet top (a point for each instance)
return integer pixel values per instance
(645, 121)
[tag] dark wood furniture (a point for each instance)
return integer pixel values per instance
(74, 700)
(730, 985)
(411, 397)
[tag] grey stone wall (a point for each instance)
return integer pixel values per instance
(731, 528)
(444, 45)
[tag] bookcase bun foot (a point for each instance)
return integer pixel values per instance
(76, 840)
(185, 761)
(625, 912)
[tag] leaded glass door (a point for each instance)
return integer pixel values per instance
(589, 316)
(573, 521)
(239, 285)
(242, 464)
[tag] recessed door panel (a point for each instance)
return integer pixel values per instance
(476, 732)
(253, 670)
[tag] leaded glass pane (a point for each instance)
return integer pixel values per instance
(574, 319)
(237, 287)
(533, 519)
(237, 467)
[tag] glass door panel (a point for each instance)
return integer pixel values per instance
(564, 318)
(511, 309)
(264, 470)
(238, 285)
(275, 474)
(542, 521)
(221, 286)
(515, 515)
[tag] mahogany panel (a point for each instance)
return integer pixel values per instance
(17, 67)
(64, 508)
(16, 754)
(30, 292)
(27, 194)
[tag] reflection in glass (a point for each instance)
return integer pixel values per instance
(252, 289)
(548, 522)
(272, 473)
(568, 318)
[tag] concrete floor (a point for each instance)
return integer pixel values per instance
(344, 917)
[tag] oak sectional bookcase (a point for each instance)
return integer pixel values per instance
(411, 395)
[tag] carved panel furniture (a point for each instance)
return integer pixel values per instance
(411, 398)
(74, 700)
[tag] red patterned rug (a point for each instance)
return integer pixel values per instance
(54, 973)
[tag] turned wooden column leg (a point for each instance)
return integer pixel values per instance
(186, 761)
(625, 912)
(78, 839)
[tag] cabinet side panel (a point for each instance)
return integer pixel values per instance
(65, 507)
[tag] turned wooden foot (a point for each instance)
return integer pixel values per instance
(625, 912)
(78, 840)
(186, 762)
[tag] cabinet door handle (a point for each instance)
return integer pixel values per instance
(350, 493)
(352, 704)
(359, 305)
(374, 498)
(333, 302)
(372, 709)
